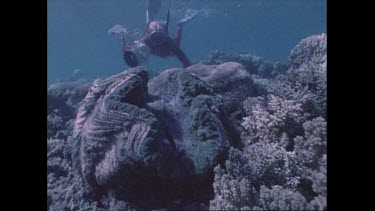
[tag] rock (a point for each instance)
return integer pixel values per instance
(252, 63)
(231, 80)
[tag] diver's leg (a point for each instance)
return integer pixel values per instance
(182, 57)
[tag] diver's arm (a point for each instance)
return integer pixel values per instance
(144, 39)
(125, 46)
(182, 57)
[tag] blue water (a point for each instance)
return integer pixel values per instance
(77, 36)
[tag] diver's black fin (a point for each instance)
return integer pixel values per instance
(167, 24)
(152, 9)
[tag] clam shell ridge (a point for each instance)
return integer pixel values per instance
(113, 133)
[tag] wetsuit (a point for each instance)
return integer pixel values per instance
(170, 47)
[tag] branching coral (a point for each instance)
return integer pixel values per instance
(283, 161)
(267, 176)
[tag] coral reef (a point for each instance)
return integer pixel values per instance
(63, 99)
(282, 162)
(234, 131)
(267, 176)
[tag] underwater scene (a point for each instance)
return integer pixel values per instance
(186, 105)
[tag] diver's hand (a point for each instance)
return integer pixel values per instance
(119, 32)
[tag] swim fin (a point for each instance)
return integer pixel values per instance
(152, 9)
(189, 15)
(167, 24)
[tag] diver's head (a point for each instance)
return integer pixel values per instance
(137, 54)
(156, 31)
(156, 26)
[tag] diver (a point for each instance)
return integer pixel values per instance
(155, 39)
